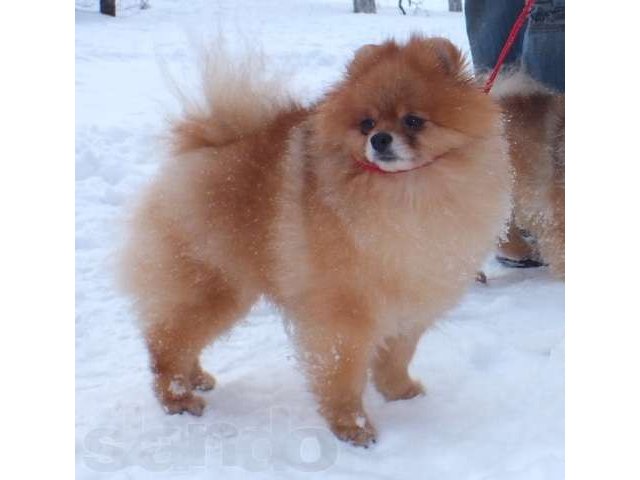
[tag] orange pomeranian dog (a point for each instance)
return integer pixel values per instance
(534, 129)
(363, 218)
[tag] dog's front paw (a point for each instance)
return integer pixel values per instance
(203, 381)
(401, 391)
(411, 390)
(189, 403)
(359, 433)
(176, 395)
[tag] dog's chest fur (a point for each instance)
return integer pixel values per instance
(410, 266)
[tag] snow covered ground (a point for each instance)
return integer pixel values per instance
(494, 368)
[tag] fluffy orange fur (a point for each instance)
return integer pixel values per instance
(534, 129)
(261, 196)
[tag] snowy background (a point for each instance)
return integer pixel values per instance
(494, 367)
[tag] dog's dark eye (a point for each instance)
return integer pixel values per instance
(367, 125)
(413, 122)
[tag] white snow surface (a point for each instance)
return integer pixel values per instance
(493, 368)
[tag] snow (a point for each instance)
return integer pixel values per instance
(493, 368)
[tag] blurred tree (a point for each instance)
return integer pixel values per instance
(114, 7)
(455, 5)
(364, 6)
(108, 7)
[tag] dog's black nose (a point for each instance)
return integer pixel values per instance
(381, 141)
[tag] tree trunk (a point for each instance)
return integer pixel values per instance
(108, 7)
(455, 5)
(364, 6)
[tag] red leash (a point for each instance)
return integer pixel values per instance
(517, 26)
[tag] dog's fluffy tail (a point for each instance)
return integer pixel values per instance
(237, 96)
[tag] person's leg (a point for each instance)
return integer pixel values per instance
(543, 47)
(488, 25)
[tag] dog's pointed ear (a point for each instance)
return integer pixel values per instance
(363, 58)
(451, 59)
(440, 52)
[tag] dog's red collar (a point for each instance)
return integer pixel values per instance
(372, 167)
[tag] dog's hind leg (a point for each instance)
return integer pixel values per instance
(176, 331)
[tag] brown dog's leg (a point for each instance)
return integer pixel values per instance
(177, 332)
(200, 379)
(551, 240)
(390, 368)
(515, 247)
(552, 248)
(335, 340)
